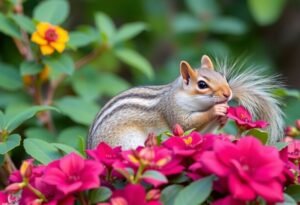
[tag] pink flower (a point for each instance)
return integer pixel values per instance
(105, 154)
(132, 194)
(251, 168)
(229, 200)
(185, 145)
(243, 118)
(155, 158)
(72, 173)
(3, 197)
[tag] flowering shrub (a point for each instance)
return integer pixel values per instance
(183, 168)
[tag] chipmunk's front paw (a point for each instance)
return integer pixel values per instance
(219, 110)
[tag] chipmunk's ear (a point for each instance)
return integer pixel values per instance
(187, 72)
(206, 62)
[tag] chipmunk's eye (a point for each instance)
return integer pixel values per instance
(202, 84)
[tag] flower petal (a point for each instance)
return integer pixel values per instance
(42, 28)
(60, 47)
(211, 162)
(36, 38)
(71, 164)
(239, 189)
(271, 191)
(46, 49)
(63, 35)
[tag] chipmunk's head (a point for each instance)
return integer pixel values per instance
(204, 86)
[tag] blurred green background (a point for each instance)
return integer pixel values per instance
(264, 33)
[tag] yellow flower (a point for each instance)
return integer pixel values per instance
(50, 38)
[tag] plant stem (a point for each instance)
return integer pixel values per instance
(139, 173)
(25, 50)
(82, 199)
(11, 164)
(36, 192)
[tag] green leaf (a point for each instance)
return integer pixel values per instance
(60, 64)
(259, 134)
(21, 117)
(40, 133)
(40, 150)
(24, 22)
(186, 23)
(280, 145)
(90, 83)
(72, 136)
(135, 60)
(228, 25)
(105, 26)
(266, 12)
(2, 120)
(293, 190)
(203, 8)
(80, 39)
(154, 175)
(181, 178)
(78, 109)
(288, 200)
(11, 142)
(9, 27)
(196, 192)
(66, 149)
(52, 11)
(10, 78)
(128, 31)
(169, 194)
(30, 68)
(100, 195)
(283, 92)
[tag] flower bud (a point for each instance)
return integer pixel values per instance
(44, 74)
(291, 131)
(26, 168)
(297, 122)
(153, 194)
(177, 130)
(151, 140)
(147, 155)
(15, 187)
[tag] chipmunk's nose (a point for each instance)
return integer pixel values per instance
(226, 95)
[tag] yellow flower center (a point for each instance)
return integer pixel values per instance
(133, 159)
(188, 140)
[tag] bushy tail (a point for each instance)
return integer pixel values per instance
(253, 89)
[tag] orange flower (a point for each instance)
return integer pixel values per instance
(50, 38)
(44, 74)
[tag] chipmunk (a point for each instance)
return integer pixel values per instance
(196, 99)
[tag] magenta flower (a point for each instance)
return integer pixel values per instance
(105, 154)
(249, 175)
(72, 173)
(3, 197)
(132, 194)
(229, 200)
(154, 158)
(185, 145)
(243, 118)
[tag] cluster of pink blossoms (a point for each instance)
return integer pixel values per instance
(245, 171)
